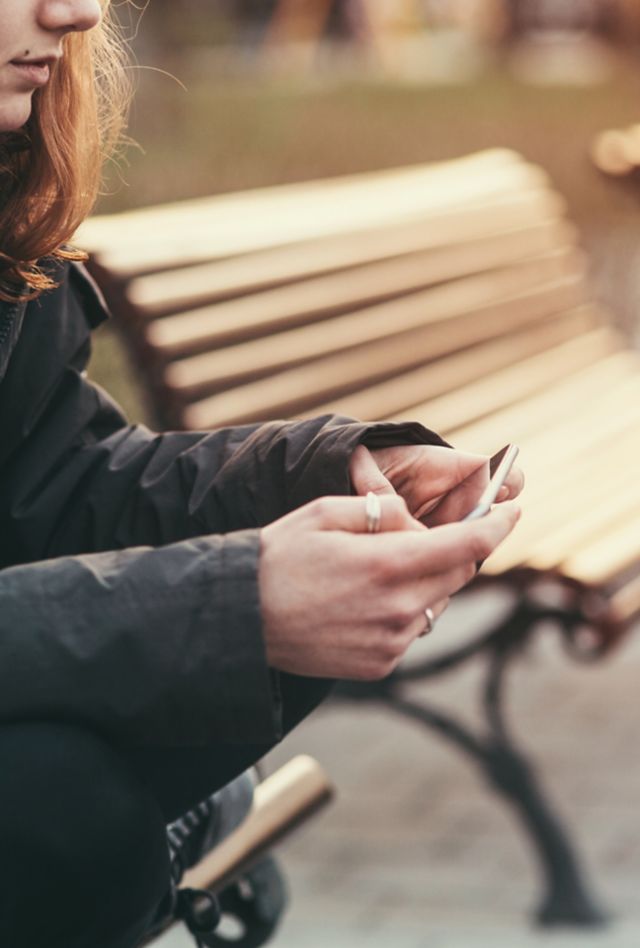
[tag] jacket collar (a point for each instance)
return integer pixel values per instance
(11, 316)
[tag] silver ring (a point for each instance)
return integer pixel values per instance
(373, 511)
(431, 621)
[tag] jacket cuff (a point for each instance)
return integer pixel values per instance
(389, 434)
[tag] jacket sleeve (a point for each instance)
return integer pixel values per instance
(145, 645)
(161, 644)
(76, 478)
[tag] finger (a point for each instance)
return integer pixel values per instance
(350, 514)
(366, 475)
(448, 546)
(513, 484)
(473, 477)
(432, 614)
(420, 625)
(444, 585)
(444, 475)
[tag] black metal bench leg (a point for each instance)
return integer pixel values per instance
(567, 899)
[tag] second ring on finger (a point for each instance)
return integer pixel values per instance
(431, 615)
(430, 618)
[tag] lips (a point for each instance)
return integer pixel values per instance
(36, 72)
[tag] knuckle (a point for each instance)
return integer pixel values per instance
(386, 654)
(403, 612)
(395, 511)
(399, 504)
(469, 571)
(318, 509)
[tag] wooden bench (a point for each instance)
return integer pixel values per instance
(454, 294)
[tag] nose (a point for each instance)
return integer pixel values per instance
(64, 16)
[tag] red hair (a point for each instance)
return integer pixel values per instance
(50, 170)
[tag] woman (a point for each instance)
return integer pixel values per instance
(170, 604)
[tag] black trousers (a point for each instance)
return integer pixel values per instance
(84, 860)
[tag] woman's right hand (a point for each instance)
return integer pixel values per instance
(338, 602)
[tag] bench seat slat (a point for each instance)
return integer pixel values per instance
(566, 466)
(572, 511)
(541, 411)
(600, 562)
(616, 501)
(624, 602)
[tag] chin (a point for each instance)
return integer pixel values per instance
(13, 115)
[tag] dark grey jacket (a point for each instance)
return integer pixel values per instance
(128, 559)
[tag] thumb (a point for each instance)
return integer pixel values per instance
(365, 474)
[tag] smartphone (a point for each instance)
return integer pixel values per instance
(499, 466)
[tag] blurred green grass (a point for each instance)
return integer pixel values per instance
(226, 133)
(222, 134)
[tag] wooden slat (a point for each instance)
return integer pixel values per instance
(624, 603)
(474, 294)
(184, 288)
(562, 464)
(563, 514)
(542, 410)
(297, 391)
(608, 496)
(303, 302)
(601, 561)
(488, 169)
(302, 391)
(399, 395)
(230, 224)
(512, 384)
(281, 802)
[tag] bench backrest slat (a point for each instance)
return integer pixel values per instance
(183, 287)
(226, 225)
(399, 395)
(513, 383)
(258, 314)
(551, 276)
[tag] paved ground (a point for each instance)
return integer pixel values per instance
(417, 852)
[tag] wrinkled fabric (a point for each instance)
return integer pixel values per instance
(128, 559)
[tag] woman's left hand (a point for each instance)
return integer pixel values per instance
(439, 485)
